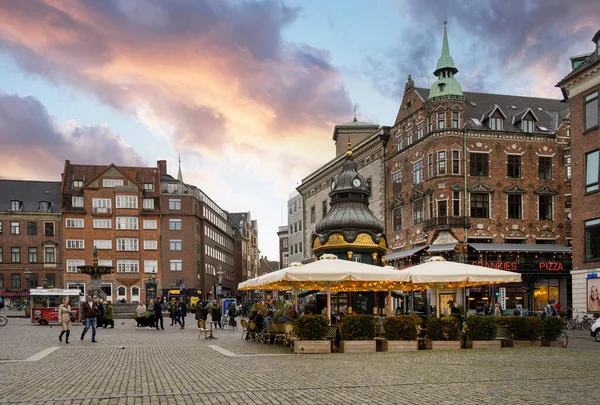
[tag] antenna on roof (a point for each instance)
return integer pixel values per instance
(425, 77)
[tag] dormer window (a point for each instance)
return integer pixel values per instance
(77, 183)
(441, 86)
(527, 125)
(496, 124)
(44, 206)
(172, 187)
(16, 205)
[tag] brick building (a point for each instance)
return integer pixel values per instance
(283, 235)
(295, 220)
(581, 87)
(245, 247)
(30, 233)
(116, 209)
(481, 178)
(197, 246)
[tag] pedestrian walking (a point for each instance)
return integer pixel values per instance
(158, 314)
(90, 311)
(182, 311)
(108, 316)
(100, 314)
(172, 308)
(64, 316)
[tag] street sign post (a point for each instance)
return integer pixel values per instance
(502, 298)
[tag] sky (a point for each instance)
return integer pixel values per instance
(248, 92)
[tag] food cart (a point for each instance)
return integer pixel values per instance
(45, 303)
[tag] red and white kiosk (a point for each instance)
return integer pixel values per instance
(45, 302)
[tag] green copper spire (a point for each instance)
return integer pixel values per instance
(179, 175)
(446, 84)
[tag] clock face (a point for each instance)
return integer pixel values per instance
(356, 182)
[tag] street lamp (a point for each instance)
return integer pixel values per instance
(27, 275)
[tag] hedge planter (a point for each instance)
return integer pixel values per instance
(400, 345)
(526, 343)
(552, 343)
(443, 345)
(312, 346)
(358, 346)
(484, 344)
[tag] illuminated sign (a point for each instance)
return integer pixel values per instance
(551, 266)
(174, 291)
(509, 266)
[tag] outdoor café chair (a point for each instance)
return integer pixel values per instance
(208, 333)
(288, 333)
(244, 327)
(252, 330)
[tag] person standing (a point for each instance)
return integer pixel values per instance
(182, 311)
(108, 316)
(100, 314)
(64, 316)
(497, 310)
(151, 315)
(172, 308)
(141, 314)
(215, 313)
(158, 314)
(90, 311)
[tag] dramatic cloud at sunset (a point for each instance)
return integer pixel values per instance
(248, 92)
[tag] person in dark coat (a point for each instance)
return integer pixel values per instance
(215, 313)
(182, 312)
(100, 313)
(158, 314)
(90, 312)
(108, 316)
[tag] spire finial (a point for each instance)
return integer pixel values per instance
(355, 106)
(179, 175)
(445, 23)
(349, 152)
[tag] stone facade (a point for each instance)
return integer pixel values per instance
(296, 226)
(315, 188)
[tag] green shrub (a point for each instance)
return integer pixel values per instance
(551, 327)
(358, 327)
(447, 328)
(402, 327)
(481, 328)
(311, 327)
(525, 327)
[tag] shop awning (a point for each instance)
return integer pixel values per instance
(519, 247)
(443, 247)
(404, 253)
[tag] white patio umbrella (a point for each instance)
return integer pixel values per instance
(439, 273)
(330, 273)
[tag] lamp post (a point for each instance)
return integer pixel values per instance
(27, 275)
(151, 290)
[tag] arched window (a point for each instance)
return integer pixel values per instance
(135, 294)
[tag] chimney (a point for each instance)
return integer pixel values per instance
(162, 166)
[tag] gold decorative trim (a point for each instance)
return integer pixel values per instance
(337, 240)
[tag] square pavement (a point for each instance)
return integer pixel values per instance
(129, 366)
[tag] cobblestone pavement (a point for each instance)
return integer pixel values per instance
(175, 367)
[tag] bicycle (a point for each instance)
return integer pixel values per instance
(3, 320)
(573, 322)
(562, 337)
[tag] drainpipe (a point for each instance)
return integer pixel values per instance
(463, 258)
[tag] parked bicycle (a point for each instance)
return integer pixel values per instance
(584, 324)
(3, 320)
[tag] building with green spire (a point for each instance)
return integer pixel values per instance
(446, 84)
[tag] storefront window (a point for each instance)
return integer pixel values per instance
(545, 290)
(592, 239)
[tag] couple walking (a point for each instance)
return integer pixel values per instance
(89, 309)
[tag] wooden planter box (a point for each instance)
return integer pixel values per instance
(312, 346)
(358, 346)
(400, 345)
(484, 344)
(526, 343)
(552, 343)
(443, 345)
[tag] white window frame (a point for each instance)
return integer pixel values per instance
(174, 244)
(150, 245)
(77, 201)
(151, 266)
(148, 186)
(77, 183)
(127, 223)
(128, 266)
(175, 204)
(441, 161)
(73, 263)
(74, 223)
(174, 222)
(126, 201)
(150, 224)
(135, 294)
(102, 203)
(176, 265)
(127, 244)
(75, 244)
(148, 203)
(112, 183)
(103, 244)
(100, 223)
(105, 262)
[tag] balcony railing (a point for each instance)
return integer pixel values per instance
(441, 223)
